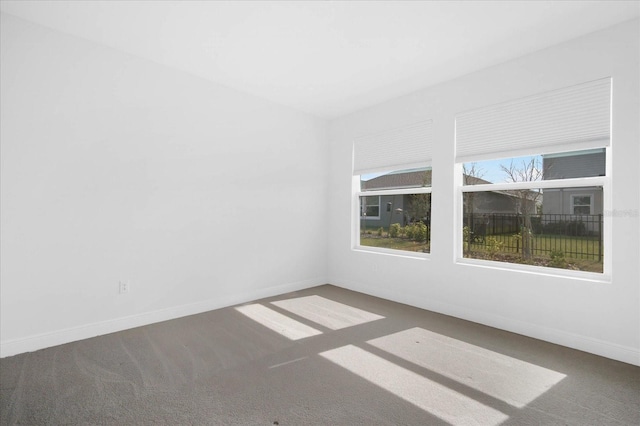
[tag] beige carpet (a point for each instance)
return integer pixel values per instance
(323, 356)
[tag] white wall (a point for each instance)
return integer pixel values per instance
(115, 168)
(600, 317)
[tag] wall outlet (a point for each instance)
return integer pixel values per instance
(124, 287)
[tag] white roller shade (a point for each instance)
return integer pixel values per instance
(397, 149)
(573, 118)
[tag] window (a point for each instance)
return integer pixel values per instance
(393, 190)
(370, 208)
(581, 204)
(405, 219)
(533, 179)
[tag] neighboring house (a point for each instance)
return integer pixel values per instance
(573, 201)
(574, 204)
(500, 202)
(497, 212)
(383, 210)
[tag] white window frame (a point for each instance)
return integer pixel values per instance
(573, 118)
(401, 148)
(573, 204)
(363, 213)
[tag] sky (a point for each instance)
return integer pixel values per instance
(488, 170)
(491, 171)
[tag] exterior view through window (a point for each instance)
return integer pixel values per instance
(522, 210)
(395, 210)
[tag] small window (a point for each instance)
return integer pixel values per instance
(581, 204)
(398, 217)
(370, 208)
(393, 189)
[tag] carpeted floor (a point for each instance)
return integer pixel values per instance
(323, 356)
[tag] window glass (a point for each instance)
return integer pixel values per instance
(567, 165)
(398, 216)
(581, 204)
(559, 227)
(370, 208)
(410, 178)
(543, 208)
(404, 223)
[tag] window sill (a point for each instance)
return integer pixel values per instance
(536, 270)
(391, 252)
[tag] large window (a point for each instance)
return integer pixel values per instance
(393, 190)
(534, 177)
(513, 213)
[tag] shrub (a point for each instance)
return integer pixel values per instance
(409, 231)
(557, 259)
(465, 238)
(416, 231)
(394, 230)
(380, 230)
(577, 227)
(563, 227)
(536, 224)
(420, 232)
(494, 246)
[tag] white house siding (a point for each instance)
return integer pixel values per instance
(558, 206)
(574, 166)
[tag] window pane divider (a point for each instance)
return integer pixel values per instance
(403, 191)
(538, 184)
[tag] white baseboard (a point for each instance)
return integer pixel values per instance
(59, 337)
(575, 341)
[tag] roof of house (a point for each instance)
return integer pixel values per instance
(422, 178)
(415, 179)
(412, 179)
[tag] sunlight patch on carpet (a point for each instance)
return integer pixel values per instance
(326, 312)
(426, 394)
(277, 322)
(509, 379)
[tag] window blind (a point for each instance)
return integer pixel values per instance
(572, 118)
(397, 149)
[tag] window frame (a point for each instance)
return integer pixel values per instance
(363, 213)
(590, 205)
(577, 117)
(399, 148)
(585, 182)
(357, 193)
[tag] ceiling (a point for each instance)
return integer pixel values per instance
(326, 58)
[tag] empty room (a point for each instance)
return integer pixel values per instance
(320, 213)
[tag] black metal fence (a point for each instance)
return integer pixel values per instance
(577, 236)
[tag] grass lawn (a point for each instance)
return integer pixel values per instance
(573, 247)
(580, 253)
(394, 243)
